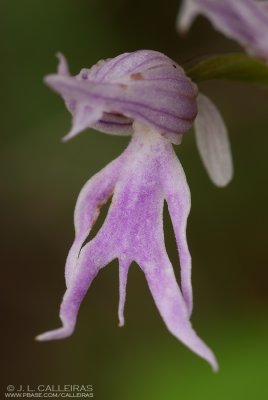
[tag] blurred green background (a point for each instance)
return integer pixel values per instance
(41, 178)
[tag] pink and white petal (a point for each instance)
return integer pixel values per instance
(155, 104)
(213, 142)
(90, 200)
(178, 197)
(170, 303)
(94, 256)
(241, 20)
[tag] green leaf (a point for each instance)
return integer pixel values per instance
(234, 67)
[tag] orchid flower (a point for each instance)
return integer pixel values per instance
(146, 95)
(245, 21)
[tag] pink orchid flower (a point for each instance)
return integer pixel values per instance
(146, 95)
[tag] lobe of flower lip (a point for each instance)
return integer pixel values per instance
(145, 175)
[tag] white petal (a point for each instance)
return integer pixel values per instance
(213, 142)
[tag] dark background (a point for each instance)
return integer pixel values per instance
(40, 181)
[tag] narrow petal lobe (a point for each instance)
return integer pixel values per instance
(123, 273)
(91, 259)
(178, 197)
(170, 303)
(94, 194)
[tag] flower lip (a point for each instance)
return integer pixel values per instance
(140, 180)
(144, 85)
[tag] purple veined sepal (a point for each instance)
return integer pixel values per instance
(213, 142)
(122, 82)
(144, 85)
(142, 178)
(245, 21)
